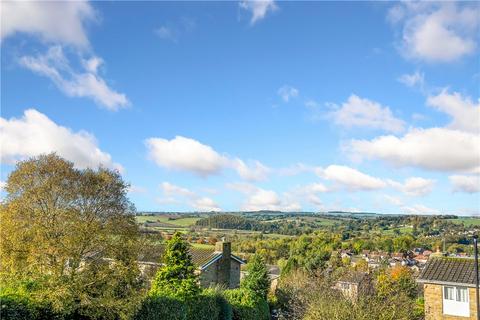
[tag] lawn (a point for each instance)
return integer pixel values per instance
(467, 221)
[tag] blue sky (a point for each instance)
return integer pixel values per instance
(360, 106)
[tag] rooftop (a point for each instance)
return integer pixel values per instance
(446, 270)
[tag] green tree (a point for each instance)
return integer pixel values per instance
(176, 278)
(257, 279)
(66, 231)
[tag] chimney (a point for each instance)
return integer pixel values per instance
(224, 263)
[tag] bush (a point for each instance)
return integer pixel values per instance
(246, 305)
(12, 307)
(203, 307)
(161, 308)
(17, 307)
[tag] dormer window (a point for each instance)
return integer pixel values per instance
(456, 301)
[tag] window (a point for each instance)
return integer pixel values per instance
(462, 294)
(449, 293)
(456, 301)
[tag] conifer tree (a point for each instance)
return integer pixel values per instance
(176, 278)
(257, 279)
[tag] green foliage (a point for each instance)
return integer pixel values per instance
(247, 305)
(257, 279)
(176, 277)
(69, 239)
(161, 308)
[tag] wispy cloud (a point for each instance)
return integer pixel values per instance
(86, 83)
(258, 8)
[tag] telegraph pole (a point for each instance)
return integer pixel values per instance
(475, 246)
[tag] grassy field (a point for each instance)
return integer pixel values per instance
(180, 222)
(467, 221)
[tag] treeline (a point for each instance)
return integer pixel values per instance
(236, 222)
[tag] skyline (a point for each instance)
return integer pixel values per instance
(313, 106)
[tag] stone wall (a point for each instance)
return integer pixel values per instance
(434, 303)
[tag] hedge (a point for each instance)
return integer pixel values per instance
(246, 305)
(17, 307)
(161, 308)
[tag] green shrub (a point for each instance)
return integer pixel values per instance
(161, 308)
(12, 307)
(246, 305)
(203, 307)
(18, 307)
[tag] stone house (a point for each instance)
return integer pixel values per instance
(449, 288)
(217, 266)
(354, 284)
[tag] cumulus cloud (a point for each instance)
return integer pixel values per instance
(350, 179)
(360, 112)
(468, 184)
(287, 92)
(172, 193)
(36, 134)
(465, 113)
(57, 22)
(433, 149)
(185, 154)
(86, 83)
(263, 199)
(414, 186)
(258, 8)
(436, 31)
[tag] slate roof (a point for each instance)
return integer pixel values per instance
(200, 256)
(448, 270)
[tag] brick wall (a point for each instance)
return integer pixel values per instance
(434, 303)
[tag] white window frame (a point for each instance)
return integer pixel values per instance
(455, 307)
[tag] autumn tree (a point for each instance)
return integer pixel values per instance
(72, 231)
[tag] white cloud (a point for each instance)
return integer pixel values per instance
(287, 92)
(416, 79)
(166, 33)
(419, 209)
(205, 204)
(258, 8)
(172, 192)
(468, 184)
(36, 134)
(359, 112)
(310, 193)
(433, 149)
(262, 199)
(3, 184)
(464, 112)
(255, 172)
(86, 83)
(58, 22)
(414, 186)
(185, 154)
(350, 178)
(437, 31)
